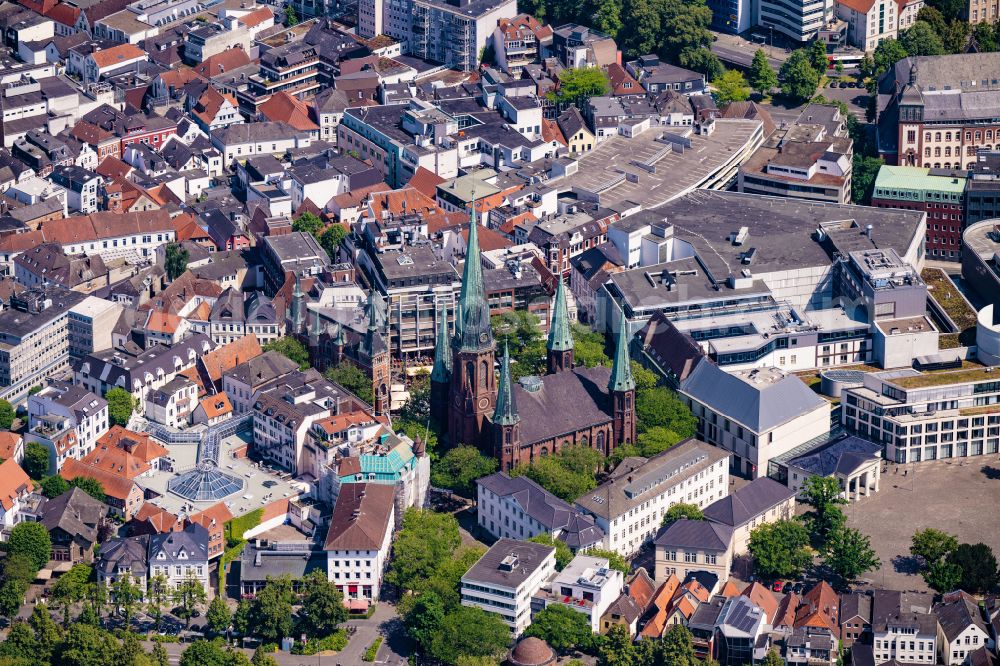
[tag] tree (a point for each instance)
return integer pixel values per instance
(576, 85)
(188, 595)
(615, 560)
(218, 617)
(932, 545)
(425, 540)
(560, 476)
(780, 549)
(762, 76)
(12, 597)
(121, 405)
(52, 486)
(205, 653)
(175, 261)
(31, 540)
(470, 632)
(19, 567)
(352, 378)
(818, 58)
(703, 61)
(308, 223)
(887, 53)
(262, 658)
(36, 460)
(563, 553)
(677, 648)
(70, 588)
(272, 609)
(97, 597)
(521, 333)
(823, 494)
(920, 40)
(47, 633)
(424, 618)
(20, 643)
(243, 617)
(322, 606)
(865, 170)
(851, 554)
(943, 576)
(655, 440)
(87, 646)
(617, 648)
(731, 87)
(588, 347)
(459, 468)
(562, 628)
(645, 380)
(772, 658)
(159, 593)
(799, 78)
(7, 415)
(682, 510)
(608, 18)
(331, 239)
(159, 655)
(291, 349)
(661, 407)
(126, 594)
(91, 486)
(88, 616)
(979, 566)
(290, 17)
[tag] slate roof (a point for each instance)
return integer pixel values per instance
(957, 616)
(566, 402)
(856, 604)
(759, 407)
(259, 564)
(76, 513)
(130, 552)
(695, 534)
(749, 502)
(189, 544)
(578, 531)
(842, 456)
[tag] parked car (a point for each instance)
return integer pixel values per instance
(778, 586)
(798, 587)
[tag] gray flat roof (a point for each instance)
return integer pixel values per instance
(527, 558)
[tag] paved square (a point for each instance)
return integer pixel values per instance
(962, 498)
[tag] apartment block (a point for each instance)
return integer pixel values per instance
(505, 579)
(587, 585)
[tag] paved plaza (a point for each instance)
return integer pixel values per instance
(959, 497)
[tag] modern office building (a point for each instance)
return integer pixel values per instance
(799, 20)
(939, 193)
(982, 189)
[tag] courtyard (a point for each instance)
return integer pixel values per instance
(958, 496)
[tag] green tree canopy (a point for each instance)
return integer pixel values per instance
(731, 87)
(943, 576)
(677, 648)
(291, 349)
(562, 628)
(662, 408)
(615, 560)
(208, 653)
(36, 460)
(272, 609)
(188, 595)
(424, 618)
(799, 77)
(682, 510)
(91, 486)
(6, 415)
(424, 541)
(85, 645)
(823, 494)
(53, 486)
(703, 61)
(218, 617)
(865, 171)
(762, 76)
(322, 606)
(772, 658)
(563, 553)
(818, 57)
(352, 378)
(470, 632)
(12, 593)
(31, 540)
(579, 84)
(291, 18)
(567, 474)
(780, 549)
(979, 566)
(851, 554)
(519, 331)
(331, 238)
(920, 40)
(588, 347)
(887, 53)
(121, 405)
(932, 545)
(175, 260)
(459, 468)
(308, 223)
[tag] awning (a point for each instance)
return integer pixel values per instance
(356, 605)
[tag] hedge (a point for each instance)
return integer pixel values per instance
(372, 650)
(234, 544)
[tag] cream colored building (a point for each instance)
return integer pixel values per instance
(694, 545)
(873, 21)
(978, 11)
(761, 501)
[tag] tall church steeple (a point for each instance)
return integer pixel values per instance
(375, 352)
(441, 374)
(560, 343)
(621, 386)
(473, 382)
(298, 307)
(506, 420)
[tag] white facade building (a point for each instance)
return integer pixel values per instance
(358, 542)
(587, 585)
(61, 405)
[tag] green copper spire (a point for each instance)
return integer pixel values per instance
(317, 326)
(373, 343)
(298, 306)
(621, 371)
(505, 413)
(371, 310)
(560, 335)
(472, 329)
(442, 352)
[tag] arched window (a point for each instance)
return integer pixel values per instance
(600, 442)
(483, 373)
(585, 441)
(470, 372)
(544, 451)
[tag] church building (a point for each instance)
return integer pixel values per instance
(518, 422)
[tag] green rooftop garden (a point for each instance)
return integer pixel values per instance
(945, 378)
(946, 294)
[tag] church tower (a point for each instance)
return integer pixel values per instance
(473, 383)
(441, 374)
(621, 387)
(560, 343)
(506, 420)
(375, 352)
(298, 308)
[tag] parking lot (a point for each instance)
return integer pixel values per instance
(959, 498)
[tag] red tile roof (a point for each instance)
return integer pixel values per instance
(9, 441)
(221, 63)
(256, 17)
(114, 485)
(216, 405)
(112, 167)
(116, 55)
(13, 483)
(425, 181)
(285, 108)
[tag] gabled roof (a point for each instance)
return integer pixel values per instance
(216, 405)
(763, 598)
(114, 485)
(425, 181)
(285, 108)
(957, 616)
(820, 608)
(656, 623)
(13, 483)
(75, 512)
(116, 55)
(749, 502)
(9, 441)
(187, 545)
(361, 517)
(220, 63)
(641, 588)
(696, 534)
